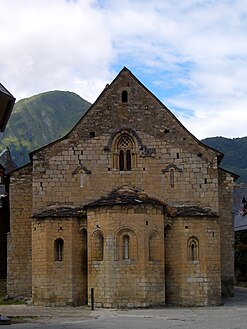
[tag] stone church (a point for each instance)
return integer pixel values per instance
(129, 203)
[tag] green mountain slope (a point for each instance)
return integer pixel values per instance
(39, 120)
(43, 118)
(235, 151)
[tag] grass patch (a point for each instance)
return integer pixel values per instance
(4, 301)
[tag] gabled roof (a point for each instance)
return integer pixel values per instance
(102, 95)
(124, 196)
(7, 102)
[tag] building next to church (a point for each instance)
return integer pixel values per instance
(7, 102)
(128, 203)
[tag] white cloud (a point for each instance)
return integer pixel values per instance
(191, 53)
(54, 45)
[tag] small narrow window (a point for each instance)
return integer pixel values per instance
(126, 246)
(124, 96)
(81, 179)
(58, 246)
(172, 173)
(193, 249)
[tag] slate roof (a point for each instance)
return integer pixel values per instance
(60, 211)
(240, 222)
(190, 210)
(7, 102)
(124, 196)
(5, 91)
(7, 162)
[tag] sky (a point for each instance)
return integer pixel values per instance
(191, 54)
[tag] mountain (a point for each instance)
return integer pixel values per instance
(43, 118)
(39, 120)
(235, 151)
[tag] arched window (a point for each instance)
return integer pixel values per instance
(193, 249)
(98, 246)
(58, 249)
(124, 96)
(126, 243)
(154, 248)
(125, 149)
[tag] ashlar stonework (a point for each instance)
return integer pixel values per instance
(128, 203)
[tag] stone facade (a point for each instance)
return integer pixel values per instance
(129, 203)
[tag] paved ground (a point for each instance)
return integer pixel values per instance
(232, 315)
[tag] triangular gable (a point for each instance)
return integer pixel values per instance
(106, 93)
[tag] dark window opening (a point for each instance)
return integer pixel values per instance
(128, 160)
(121, 160)
(59, 250)
(92, 134)
(124, 96)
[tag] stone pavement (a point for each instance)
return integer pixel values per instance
(233, 314)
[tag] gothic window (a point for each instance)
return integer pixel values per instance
(124, 96)
(125, 150)
(193, 249)
(58, 249)
(98, 246)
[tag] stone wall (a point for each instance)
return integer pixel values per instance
(168, 164)
(226, 186)
(193, 281)
(161, 144)
(136, 280)
(19, 271)
(58, 281)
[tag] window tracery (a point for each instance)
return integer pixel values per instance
(125, 153)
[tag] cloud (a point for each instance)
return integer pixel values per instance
(54, 45)
(192, 54)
